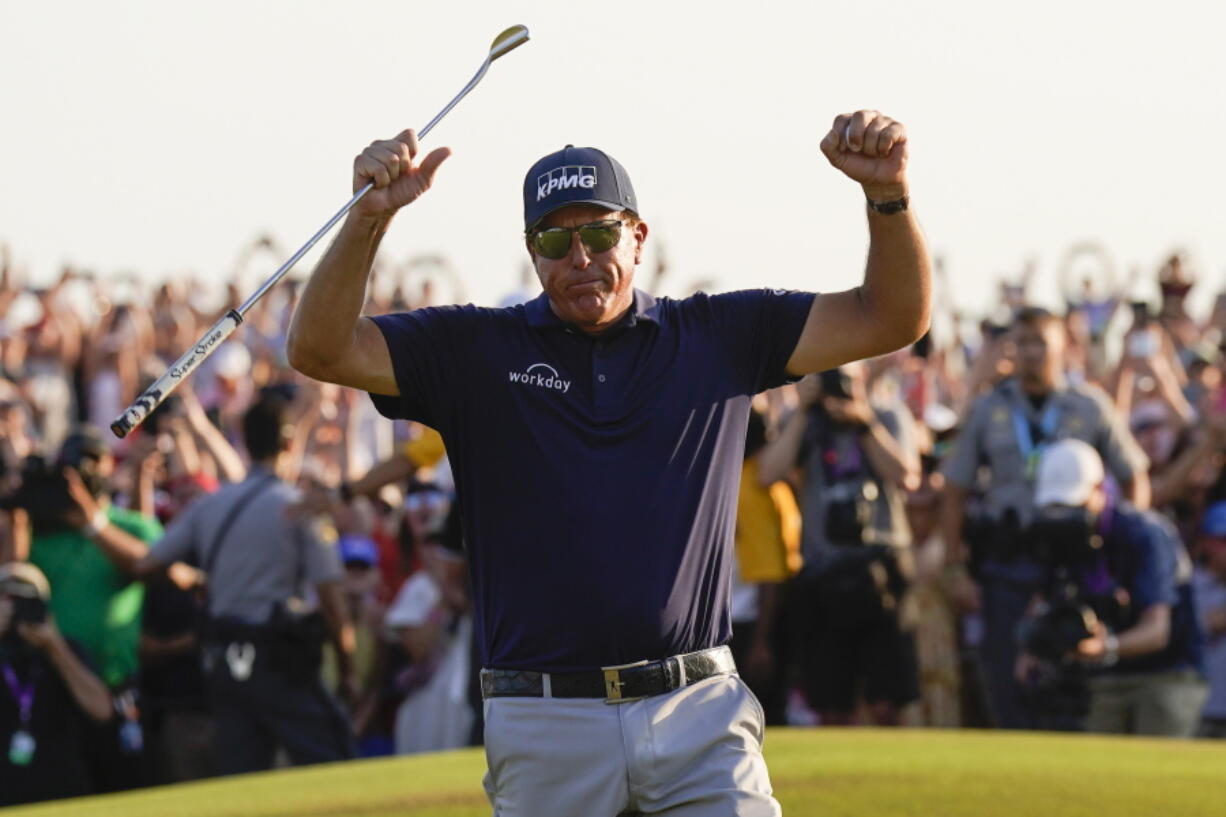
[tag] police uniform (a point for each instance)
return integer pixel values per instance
(263, 688)
(998, 451)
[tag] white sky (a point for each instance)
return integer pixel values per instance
(159, 137)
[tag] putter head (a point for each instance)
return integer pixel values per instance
(508, 40)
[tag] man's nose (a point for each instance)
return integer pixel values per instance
(579, 256)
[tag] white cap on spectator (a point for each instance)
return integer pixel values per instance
(939, 418)
(1068, 474)
(232, 361)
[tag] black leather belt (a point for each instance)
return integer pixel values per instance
(628, 682)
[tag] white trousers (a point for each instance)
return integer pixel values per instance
(694, 752)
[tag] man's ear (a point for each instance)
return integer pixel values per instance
(640, 237)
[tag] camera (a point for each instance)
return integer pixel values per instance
(1066, 541)
(31, 610)
(849, 511)
(836, 383)
(27, 587)
(43, 490)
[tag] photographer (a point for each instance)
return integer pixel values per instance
(996, 455)
(81, 542)
(47, 692)
(1118, 603)
(855, 458)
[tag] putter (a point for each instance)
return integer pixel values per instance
(153, 396)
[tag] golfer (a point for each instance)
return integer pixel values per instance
(596, 435)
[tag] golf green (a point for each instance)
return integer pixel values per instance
(827, 772)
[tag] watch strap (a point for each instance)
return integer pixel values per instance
(888, 208)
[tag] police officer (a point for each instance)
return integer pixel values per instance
(262, 643)
(597, 436)
(998, 452)
(1144, 647)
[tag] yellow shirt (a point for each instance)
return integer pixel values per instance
(767, 529)
(426, 449)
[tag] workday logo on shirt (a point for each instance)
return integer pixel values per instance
(541, 375)
(565, 177)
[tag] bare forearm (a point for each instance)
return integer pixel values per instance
(777, 458)
(392, 470)
(897, 289)
(887, 457)
(86, 688)
(228, 460)
(952, 517)
(326, 318)
(340, 627)
(121, 547)
(1137, 490)
(1151, 633)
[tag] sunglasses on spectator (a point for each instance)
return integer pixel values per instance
(597, 236)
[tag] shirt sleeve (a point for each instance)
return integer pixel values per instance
(178, 543)
(321, 556)
(1154, 582)
(964, 458)
(417, 597)
(425, 351)
(760, 328)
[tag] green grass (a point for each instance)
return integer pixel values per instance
(827, 772)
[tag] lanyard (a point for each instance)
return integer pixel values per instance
(23, 693)
(841, 466)
(1047, 428)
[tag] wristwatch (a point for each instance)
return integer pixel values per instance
(1111, 650)
(888, 208)
(94, 527)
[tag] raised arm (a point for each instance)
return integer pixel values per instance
(892, 308)
(328, 337)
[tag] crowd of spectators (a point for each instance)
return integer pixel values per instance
(888, 548)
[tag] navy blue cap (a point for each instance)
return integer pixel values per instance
(1213, 523)
(575, 176)
(358, 550)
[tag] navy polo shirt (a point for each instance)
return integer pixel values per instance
(1144, 555)
(597, 477)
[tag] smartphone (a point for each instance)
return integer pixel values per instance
(1142, 344)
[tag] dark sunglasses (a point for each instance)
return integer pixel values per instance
(597, 236)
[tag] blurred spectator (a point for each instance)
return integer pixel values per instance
(990, 563)
(81, 542)
(48, 693)
(855, 460)
(1210, 584)
(431, 619)
(1117, 606)
(936, 639)
(83, 346)
(767, 554)
(1175, 281)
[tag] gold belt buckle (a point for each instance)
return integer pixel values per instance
(613, 683)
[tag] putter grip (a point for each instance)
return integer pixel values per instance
(184, 366)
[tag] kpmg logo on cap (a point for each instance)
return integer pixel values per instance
(564, 178)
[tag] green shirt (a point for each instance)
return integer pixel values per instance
(93, 601)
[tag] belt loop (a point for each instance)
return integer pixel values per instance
(680, 659)
(546, 685)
